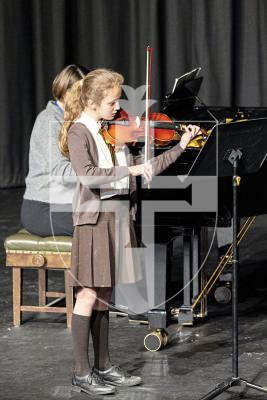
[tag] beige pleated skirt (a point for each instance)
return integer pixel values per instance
(106, 253)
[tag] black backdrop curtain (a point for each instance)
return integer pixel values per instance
(39, 37)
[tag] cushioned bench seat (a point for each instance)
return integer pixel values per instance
(24, 250)
(24, 241)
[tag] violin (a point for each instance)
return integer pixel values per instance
(162, 130)
(129, 129)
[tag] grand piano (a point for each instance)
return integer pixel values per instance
(170, 296)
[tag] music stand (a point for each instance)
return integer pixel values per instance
(183, 99)
(241, 149)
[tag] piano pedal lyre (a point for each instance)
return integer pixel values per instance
(225, 293)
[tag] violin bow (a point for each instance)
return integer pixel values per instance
(148, 97)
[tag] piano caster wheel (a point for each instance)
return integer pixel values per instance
(223, 294)
(156, 340)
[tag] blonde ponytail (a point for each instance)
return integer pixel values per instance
(94, 87)
(72, 109)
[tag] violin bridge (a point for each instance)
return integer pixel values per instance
(138, 122)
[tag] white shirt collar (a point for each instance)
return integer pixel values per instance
(90, 123)
(104, 158)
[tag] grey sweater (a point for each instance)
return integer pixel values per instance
(51, 178)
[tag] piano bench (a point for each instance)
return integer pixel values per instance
(27, 251)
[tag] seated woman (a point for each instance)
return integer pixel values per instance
(51, 181)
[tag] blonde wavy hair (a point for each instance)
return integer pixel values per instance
(94, 86)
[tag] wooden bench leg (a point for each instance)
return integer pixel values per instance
(42, 273)
(17, 296)
(69, 298)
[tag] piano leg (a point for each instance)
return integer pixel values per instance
(194, 252)
(162, 289)
(159, 317)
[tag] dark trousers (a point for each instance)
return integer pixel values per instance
(38, 218)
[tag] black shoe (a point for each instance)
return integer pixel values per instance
(91, 384)
(115, 376)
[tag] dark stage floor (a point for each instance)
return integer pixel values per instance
(36, 359)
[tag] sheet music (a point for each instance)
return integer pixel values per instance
(186, 77)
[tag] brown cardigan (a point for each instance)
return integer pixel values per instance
(84, 159)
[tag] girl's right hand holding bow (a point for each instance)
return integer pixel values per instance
(142, 169)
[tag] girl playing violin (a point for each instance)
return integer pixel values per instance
(102, 228)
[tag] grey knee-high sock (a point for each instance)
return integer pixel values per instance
(80, 328)
(100, 329)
